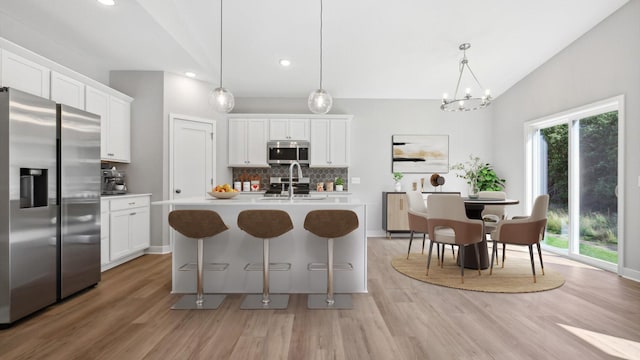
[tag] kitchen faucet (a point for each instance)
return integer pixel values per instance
(291, 177)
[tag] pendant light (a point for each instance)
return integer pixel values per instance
(466, 102)
(222, 98)
(320, 101)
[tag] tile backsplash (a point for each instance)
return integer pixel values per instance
(315, 175)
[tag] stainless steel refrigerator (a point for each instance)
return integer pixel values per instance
(49, 203)
(79, 188)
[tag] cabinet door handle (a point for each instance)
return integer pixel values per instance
(178, 191)
(132, 214)
(132, 203)
(110, 154)
(401, 204)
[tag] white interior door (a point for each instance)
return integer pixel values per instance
(193, 155)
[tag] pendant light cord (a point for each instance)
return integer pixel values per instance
(220, 43)
(320, 44)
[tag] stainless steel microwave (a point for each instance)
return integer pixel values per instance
(286, 152)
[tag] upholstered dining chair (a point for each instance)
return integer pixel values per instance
(418, 221)
(417, 218)
(492, 214)
(448, 224)
(525, 231)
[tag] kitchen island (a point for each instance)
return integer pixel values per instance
(297, 247)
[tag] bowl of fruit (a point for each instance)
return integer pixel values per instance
(223, 192)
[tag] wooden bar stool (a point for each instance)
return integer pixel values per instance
(198, 225)
(330, 224)
(265, 225)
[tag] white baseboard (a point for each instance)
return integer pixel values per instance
(630, 274)
(158, 250)
(382, 233)
(121, 261)
(376, 233)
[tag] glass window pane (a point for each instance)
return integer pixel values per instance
(598, 143)
(555, 182)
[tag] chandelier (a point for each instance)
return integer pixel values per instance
(466, 102)
(222, 98)
(320, 101)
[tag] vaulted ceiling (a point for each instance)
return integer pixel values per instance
(403, 49)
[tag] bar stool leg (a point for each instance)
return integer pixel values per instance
(200, 270)
(199, 300)
(265, 272)
(266, 300)
(330, 300)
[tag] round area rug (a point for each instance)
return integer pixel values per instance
(515, 277)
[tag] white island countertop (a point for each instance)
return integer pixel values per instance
(298, 247)
(259, 200)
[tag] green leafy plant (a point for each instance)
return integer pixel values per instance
(480, 174)
(339, 181)
(488, 180)
(397, 176)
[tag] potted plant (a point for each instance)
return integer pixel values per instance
(480, 176)
(339, 183)
(397, 176)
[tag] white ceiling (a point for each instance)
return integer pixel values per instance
(402, 49)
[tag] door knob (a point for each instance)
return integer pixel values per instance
(178, 191)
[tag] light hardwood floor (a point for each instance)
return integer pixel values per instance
(595, 315)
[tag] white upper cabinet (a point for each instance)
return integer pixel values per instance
(330, 142)
(42, 77)
(115, 124)
(248, 142)
(68, 91)
(289, 129)
(23, 74)
(119, 133)
(97, 102)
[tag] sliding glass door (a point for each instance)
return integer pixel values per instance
(574, 158)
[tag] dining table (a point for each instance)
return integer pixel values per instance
(474, 208)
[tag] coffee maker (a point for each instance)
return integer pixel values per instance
(113, 182)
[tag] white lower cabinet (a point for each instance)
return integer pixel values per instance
(104, 232)
(129, 228)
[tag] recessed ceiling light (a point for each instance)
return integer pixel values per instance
(285, 62)
(190, 74)
(107, 2)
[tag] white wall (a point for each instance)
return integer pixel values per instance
(603, 63)
(76, 59)
(374, 122)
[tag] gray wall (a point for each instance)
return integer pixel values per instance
(145, 173)
(602, 64)
(158, 94)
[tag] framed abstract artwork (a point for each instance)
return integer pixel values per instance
(420, 153)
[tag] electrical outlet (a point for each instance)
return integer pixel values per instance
(356, 180)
